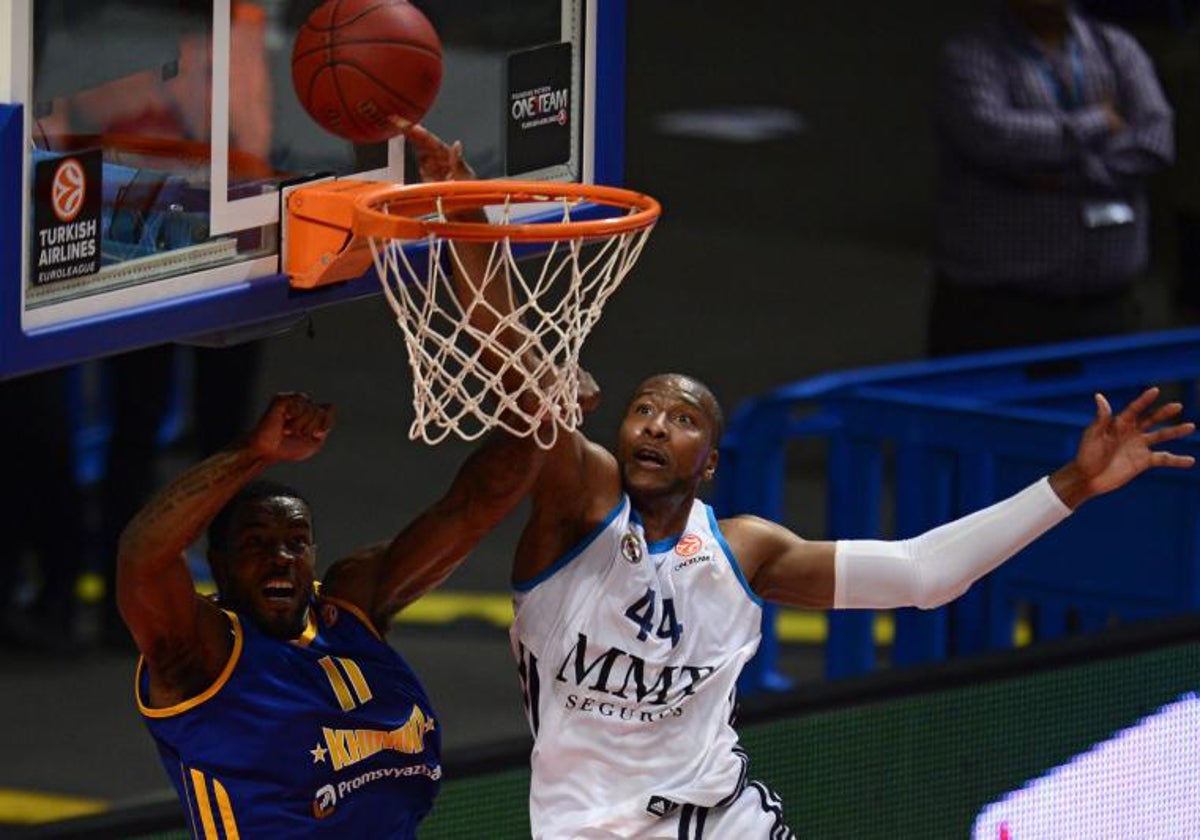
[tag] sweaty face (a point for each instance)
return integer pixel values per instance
(667, 440)
(266, 570)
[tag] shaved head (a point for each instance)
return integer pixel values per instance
(696, 390)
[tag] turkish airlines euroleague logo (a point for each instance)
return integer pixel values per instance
(65, 244)
(68, 189)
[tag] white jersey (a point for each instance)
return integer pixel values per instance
(629, 654)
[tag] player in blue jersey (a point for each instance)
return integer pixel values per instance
(278, 709)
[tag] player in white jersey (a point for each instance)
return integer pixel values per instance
(636, 609)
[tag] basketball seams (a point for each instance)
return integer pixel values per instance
(353, 67)
(347, 111)
(334, 66)
(352, 114)
(408, 45)
(399, 97)
(335, 23)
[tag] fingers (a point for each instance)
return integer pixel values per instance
(1155, 436)
(1134, 410)
(422, 138)
(589, 392)
(301, 416)
(1180, 430)
(315, 422)
(1103, 409)
(437, 160)
(457, 166)
(1170, 459)
(285, 406)
(1160, 415)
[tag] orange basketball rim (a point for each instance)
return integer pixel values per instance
(329, 223)
(530, 307)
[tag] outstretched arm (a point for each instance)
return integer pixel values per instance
(931, 569)
(479, 272)
(384, 578)
(182, 636)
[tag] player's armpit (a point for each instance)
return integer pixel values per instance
(186, 645)
(355, 578)
(579, 485)
(781, 566)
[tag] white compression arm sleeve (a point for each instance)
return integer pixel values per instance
(936, 567)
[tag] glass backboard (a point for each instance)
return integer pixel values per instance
(145, 144)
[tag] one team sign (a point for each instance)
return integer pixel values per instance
(66, 217)
(539, 109)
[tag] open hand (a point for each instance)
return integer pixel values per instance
(293, 428)
(1116, 449)
(437, 161)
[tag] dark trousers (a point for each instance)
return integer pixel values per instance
(965, 318)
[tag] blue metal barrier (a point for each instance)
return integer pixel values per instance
(945, 437)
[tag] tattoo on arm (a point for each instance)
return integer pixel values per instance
(174, 518)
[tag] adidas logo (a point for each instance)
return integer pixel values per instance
(660, 806)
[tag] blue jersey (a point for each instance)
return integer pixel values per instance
(329, 734)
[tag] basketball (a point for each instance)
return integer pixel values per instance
(359, 66)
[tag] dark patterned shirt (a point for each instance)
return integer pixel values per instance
(1026, 150)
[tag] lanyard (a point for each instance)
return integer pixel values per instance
(1071, 99)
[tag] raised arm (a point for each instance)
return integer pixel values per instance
(384, 578)
(578, 485)
(183, 637)
(478, 272)
(934, 568)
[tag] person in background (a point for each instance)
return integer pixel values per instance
(1048, 124)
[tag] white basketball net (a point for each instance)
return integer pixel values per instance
(552, 300)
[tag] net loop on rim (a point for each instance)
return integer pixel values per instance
(494, 311)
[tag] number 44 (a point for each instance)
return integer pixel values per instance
(641, 612)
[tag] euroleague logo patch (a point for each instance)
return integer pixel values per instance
(688, 550)
(67, 190)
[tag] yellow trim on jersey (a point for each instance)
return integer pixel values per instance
(202, 805)
(357, 680)
(355, 611)
(187, 797)
(192, 702)
(310, 629)
(228, 823)
(339, 684)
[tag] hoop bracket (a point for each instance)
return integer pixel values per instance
(321, 247)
